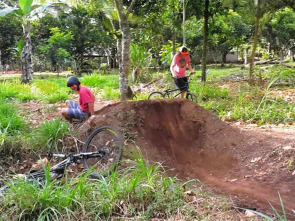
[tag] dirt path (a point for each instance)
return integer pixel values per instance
(250, 165)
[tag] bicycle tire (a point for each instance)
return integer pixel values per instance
(103, 138)
(156, 95)
(191, 97)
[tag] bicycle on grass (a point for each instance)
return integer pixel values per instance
(172, 93)
(101, 155)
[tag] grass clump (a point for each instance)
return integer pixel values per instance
(49, 133)
(11, 129)
(14, 89)
(10, 122)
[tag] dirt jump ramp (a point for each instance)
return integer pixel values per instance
(197, 144)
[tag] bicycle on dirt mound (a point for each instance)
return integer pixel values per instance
(101, 155)
(172, 93)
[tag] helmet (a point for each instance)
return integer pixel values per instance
(73, 80)
(183, 50)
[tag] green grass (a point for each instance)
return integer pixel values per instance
(217, 72)
(10, 122)
(53, 89)
(141, 191)
(45, 90)
(49, 134)
(12, 128)
(240, 101)
(101, 81)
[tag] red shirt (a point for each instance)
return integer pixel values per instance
(85, 97)
(179, 71)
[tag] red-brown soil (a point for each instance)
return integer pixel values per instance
(250, 165)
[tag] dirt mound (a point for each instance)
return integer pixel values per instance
(196, 144)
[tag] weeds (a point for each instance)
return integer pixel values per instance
(101, 81)
(44, 90)
(10, 122)
(49, 133)
(139, 190)
(278, 216)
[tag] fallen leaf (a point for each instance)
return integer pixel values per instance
(287, 148)
(39, 163)
(250, 214)
(248, 176)
(20, 176)
(260, 173)
(255, 159)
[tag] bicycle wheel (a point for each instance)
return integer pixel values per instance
(156, 95)
(191, 97)
(108, 140)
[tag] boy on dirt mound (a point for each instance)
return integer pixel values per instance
(85, 108)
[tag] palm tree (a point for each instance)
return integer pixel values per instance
(27, 11)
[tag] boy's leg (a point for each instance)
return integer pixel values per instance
(73, 104)
(181, 83)
(67, 112)
(65, 115)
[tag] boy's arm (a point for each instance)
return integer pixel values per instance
(172, 66)
(91, 108)
(190, 68)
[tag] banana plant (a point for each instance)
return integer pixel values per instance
(27, 11)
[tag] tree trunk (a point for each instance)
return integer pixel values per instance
(245, 56)
(79, 64)
(26, 54)
(119, 53)
(223, 59)
(251, 69)
(174, 41)
(125, 53)
(125, 60)
(205, 40)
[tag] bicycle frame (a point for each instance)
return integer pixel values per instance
(60, 168)
(168, 91)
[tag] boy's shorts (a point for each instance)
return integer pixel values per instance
(74, 111)
(181, 83)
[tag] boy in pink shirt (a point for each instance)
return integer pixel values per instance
(85, 108)
(180, 62)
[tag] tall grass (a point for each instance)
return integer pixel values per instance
(44, 90)
(49, 133)
(11, 129)
(101, 81)
(10, 122)
(54, 89)
(140, 190)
